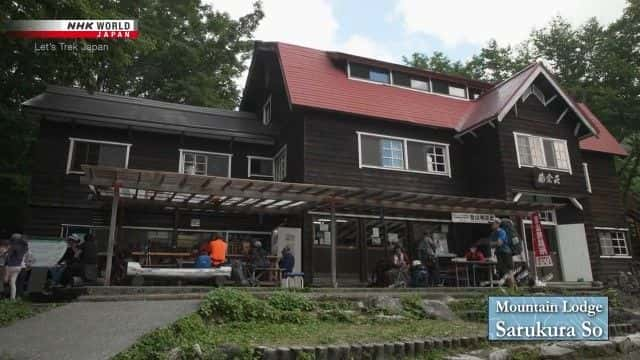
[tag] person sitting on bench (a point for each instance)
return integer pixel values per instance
(203, 261)
(218, 250)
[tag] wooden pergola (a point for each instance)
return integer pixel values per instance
(184, 191)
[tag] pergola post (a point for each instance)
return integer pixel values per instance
(112, 233)
(334, 281)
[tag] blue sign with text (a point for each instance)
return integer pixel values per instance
(548, 318)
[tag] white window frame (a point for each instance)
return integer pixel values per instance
(181, 162)
(266, 116)
(394, 152)
(404, 141)
(251, 157)
(72, 141)
(544, 158)
(429, 91)
(276, 174)
(623, 231)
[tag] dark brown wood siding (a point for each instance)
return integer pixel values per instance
(484, 163)
(604, 209)
(52, 187)
(535, 119)
(331, 155)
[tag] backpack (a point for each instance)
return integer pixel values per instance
(512, 235)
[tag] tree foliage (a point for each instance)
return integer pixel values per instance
(187, 52)
(598, 65)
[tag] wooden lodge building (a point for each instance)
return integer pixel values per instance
(331, 143)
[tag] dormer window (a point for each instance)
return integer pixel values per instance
(370, 73)
(266, 112)
(408, 80)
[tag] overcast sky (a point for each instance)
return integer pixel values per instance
(389, 29)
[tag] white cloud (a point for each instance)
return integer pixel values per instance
(508, 21)
(364, 46)
(309, 23)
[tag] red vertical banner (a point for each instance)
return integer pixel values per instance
(540, 245)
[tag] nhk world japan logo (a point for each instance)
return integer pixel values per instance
(73, 29)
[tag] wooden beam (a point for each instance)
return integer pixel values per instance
(205, 183)
(562, 115)
(112, 234)
(226, 185)
(334, 240)
(183, 181)
(426, 202)
(577, 129)
(550, 100)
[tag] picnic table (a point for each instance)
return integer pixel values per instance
(490, 263)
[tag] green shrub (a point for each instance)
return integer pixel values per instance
(290, 301)
(230, 305)
(471, 309)
(225, 305)
(412, 306)
(336, 315)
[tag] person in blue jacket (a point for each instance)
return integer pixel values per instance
(504, 255)
(203, 261)
(287, 262)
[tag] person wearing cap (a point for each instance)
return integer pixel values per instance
(69, 265)
(500, 241)
(287, 261)
(427, 254)
(217, 250)
(18, 247)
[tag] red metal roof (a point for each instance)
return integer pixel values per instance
(313, 80)
(604, 141)
(494, 100)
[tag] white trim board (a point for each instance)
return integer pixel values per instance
(542, 138)
(540, 69)
(181, 159)
(72, 141)
(405, 168)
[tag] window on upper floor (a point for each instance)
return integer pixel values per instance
(474, 93)
(410, 81)
(613, 242)
(266, 111)
(542, 152)
(280, 164)
(384, 152)
(260, 167)
(96, 152)
(194, 162)
(370, 73)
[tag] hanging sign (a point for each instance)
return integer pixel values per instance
(544, 179)
(540, 245)
(471, 218)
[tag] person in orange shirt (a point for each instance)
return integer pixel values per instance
(218, 250)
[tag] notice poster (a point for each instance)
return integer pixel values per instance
(540, 245)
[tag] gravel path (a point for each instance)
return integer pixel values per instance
(88, 330)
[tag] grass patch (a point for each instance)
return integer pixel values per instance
(240, 321)
(193, 329)
(11, 311)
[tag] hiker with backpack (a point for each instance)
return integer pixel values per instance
(504, 251)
